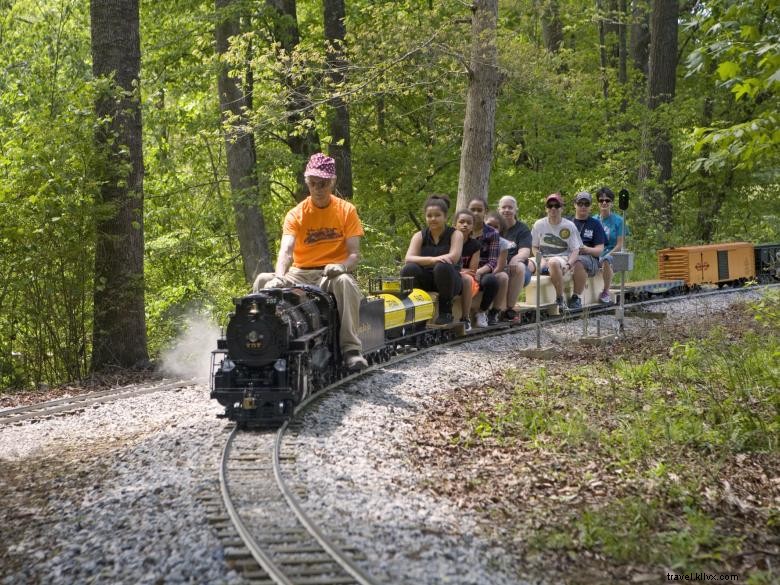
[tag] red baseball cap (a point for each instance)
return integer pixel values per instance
(554, 197)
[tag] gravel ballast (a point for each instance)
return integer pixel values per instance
(113, 494)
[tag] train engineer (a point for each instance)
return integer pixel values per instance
(559, 242)
(613, 226)
(321, 246)
(433, 257)
(593, 240)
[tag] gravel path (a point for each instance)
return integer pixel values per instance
(111, 495)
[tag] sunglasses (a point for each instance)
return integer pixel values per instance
(604, 201)
(583, 203)
(553, 206)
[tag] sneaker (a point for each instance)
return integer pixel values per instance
(480, 320)
(605, 298)
(443, 319)
(509, 315)
(561, 304)
(493, 316)
(354, 361)
(575, 303)
(466, 323)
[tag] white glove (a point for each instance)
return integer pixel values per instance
(275, 282)
(334, 270)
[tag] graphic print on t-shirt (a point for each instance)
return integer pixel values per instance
(322, 235)
(553, 245)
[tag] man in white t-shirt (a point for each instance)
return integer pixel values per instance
(558, 240)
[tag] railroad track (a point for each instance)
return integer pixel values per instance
(73, 404)
(278, 543)
(261, 521)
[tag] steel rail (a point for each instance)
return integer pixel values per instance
(249, 541)
(78, 402)
(334, 551)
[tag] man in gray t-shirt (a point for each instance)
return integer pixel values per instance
(558, 240)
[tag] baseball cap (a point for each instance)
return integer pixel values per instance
(554, 197)
(583, 196)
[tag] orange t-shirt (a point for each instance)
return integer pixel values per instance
(321, 233)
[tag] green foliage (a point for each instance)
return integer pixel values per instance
(405, 87)
(46, 193)
(740, 52)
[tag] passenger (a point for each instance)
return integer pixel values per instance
(613, 227)
(593, 240)
(559, 242)
(494, 220)
(489, 249)
(321, 246)
(433, 257)
(519, 269)
(464, 223)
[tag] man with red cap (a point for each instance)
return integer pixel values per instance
(320, 246)
(558, 239)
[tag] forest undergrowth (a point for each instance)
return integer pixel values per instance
(654, 456)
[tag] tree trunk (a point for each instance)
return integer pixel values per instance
(640, 35)
(552, 28)
(476, 155)
(603, 50)
(622, 46)
(240, 152)
(662, 77)
(340, 146)
(302, 139)
(119, 325)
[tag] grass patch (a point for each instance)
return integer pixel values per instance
(714, 395)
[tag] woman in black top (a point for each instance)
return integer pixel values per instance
(433, 257)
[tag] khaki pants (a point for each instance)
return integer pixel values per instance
(343, 287)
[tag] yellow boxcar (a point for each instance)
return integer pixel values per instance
(710, 264)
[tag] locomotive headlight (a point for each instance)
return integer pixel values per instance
(280, 365)
(228, 365)
(280, 407)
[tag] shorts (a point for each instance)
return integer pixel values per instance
(546, 268)
(591, 264)
(608, 259)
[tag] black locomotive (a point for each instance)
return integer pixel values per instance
(279, 346)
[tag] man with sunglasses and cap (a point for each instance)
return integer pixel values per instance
(559, 242)
(613, 228)
(321, 246)
(593, 240)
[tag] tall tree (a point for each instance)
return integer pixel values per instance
(302, 136)
(340, 147)
(661, 82)
(476, 156)
(240, 150)
(119, 326)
